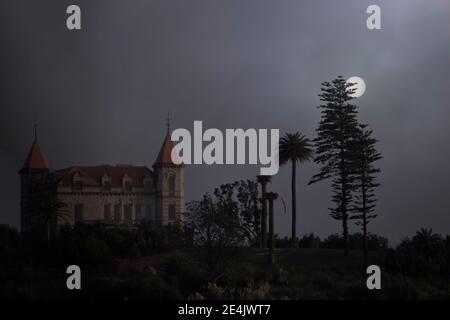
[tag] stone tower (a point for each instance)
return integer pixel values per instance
(33, 172)
(169, 185)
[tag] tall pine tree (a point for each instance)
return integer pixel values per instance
(337, 129)
(365, 174)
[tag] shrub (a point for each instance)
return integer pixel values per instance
(426, 255)
(9, 242)
(184, 273)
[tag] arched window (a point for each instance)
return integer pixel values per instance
(77, 182)
(172, 184)
(127, 183)
(172, 213)
(106, 182)
(78, 212)
(147, 181)
(107, 213)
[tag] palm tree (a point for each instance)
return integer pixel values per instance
(296, 148)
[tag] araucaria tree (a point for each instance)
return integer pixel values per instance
(294, 148)
(365, 174)
(337, 129)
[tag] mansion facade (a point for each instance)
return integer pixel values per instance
(108, 194)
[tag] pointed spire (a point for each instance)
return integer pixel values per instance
(165, 153)
(168, 121)
(36, 159)
(35, 130)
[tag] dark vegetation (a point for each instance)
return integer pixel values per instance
(156, 262)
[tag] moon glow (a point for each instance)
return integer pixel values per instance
(359, 85)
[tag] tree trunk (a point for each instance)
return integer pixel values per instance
(294, 204)
(365, 239)
(364, 219)
(344, 202)
(264, 217)
(271, 233)
(345, 233)
(271, 257)
(344, 212)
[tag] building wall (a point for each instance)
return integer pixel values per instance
(139, 204)
(162, 202)
(170, 194)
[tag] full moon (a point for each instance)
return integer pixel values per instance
(359, 85)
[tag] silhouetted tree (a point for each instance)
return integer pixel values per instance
(44, 203)
(155, 237)
(223, 221)
(337, 129)
(424, 256)
(249, 209)
(365, 155)
(9, 243)
(426, 242)
(216, 229)
(294, 148)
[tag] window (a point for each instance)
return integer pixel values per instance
(77, 186)
(149, 212)
(78, 212)
(128, 213)
(77, 183)
(117, 212)
(137, 212)
(127, 186)
(107, 185)
(127, 183)
(107, 212)
(172, 213)
(147, 181)
(106, 182)
(172, 184)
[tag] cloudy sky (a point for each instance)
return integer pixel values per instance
(101, 94)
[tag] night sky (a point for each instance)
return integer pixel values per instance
(100, 95)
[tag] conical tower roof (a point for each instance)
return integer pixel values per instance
(36, 159)
(165, 153)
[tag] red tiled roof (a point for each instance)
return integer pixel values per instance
(165, 153)
(92, 175)
(36, 158)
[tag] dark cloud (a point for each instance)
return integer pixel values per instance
(101, 95)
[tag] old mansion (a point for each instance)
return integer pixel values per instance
(110, 194)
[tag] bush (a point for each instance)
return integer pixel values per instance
(155, 238)
(356, 241)
(9, 243)
(184, 273)
(82, 245)
(426, 255)
(309, 241)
